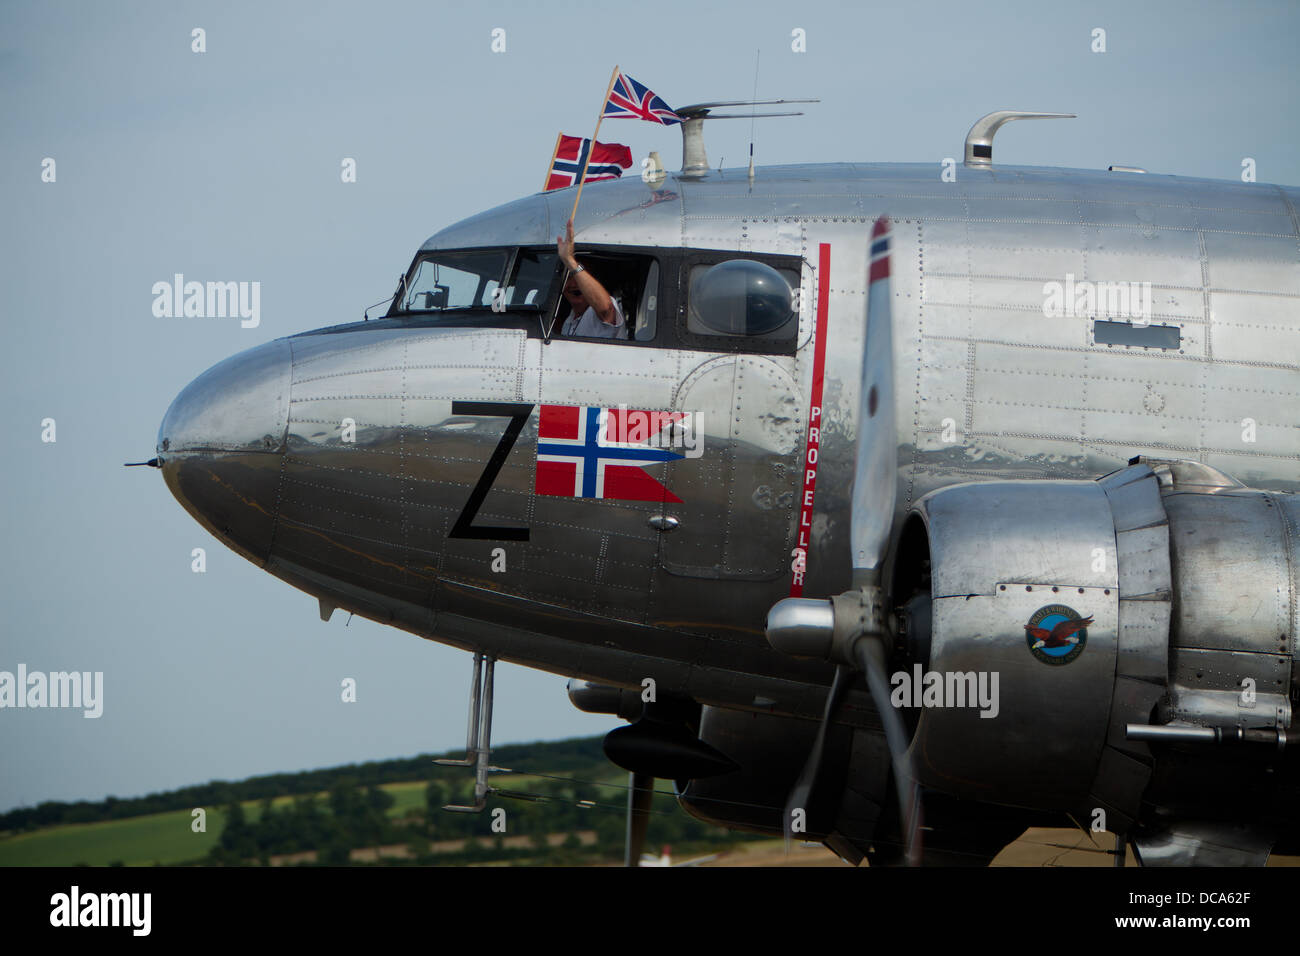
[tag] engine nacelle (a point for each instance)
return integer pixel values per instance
(1165, 592)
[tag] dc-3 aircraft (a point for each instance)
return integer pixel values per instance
(911, 507)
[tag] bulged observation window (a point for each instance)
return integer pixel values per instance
(740, 297)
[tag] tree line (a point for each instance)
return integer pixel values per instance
(355, 816)
(563, 756)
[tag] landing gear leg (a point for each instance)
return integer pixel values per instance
(478, 738)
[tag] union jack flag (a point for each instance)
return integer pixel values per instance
(608, 160)
(580, 454)
(630, 100)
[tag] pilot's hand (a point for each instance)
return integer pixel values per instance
(564, 246)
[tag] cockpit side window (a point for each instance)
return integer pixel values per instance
(646, 322)
(531, 279)
(633, 282)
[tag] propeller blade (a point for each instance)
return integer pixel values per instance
(909, 794)
(875, 479)
(640, 794)
(802, 791)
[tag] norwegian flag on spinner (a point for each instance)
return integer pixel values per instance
(579, 454)
(630, 100)
(608, 160)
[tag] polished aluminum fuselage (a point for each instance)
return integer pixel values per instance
(989, 387)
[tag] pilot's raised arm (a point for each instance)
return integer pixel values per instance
(595, 313)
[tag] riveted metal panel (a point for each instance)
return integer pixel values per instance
(695, 547)
(1169, 268)
(586, 373)
(1289, 509)
(735, 519)
(1147, 218)
(768, 469)
(1145, 576)
(1257, 325)
(1028, 215)
(1144, 639)
(1143, 561)
(1208, 687)
(1051, 721)
(1253, 262)
(1135, 503)
(1025, 325)
(1230, 562)
(1022, 415)
(1033, 532)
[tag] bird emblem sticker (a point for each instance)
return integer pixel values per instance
(1057, 634)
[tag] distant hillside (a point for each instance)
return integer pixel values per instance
(567, 757)
(562, 803)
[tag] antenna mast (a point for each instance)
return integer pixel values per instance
(695, 164)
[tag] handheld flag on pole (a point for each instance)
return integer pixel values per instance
(613, 77)
(573, 153)
(629, 99)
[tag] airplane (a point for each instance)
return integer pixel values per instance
(871, 432)
(666, 859)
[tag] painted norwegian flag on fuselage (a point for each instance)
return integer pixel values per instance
(580, 454)
(629, 99)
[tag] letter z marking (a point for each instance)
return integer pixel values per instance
(518, 413)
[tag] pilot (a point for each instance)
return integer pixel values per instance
(596, 314)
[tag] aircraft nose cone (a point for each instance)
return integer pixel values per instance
(238, 405)
(221, 442)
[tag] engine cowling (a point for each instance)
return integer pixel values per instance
(1163, 593)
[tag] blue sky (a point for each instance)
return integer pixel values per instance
(225, 165)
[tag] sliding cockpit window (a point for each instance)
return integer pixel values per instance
(531, 279)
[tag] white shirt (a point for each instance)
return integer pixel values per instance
(588, 325)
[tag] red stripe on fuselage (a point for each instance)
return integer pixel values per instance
(806, 495)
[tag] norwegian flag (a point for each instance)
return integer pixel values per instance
(608, 160)
(580, 453)
(630, 100)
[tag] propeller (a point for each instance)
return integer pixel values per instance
(851, 629)
(661, 744)
(640, 794)
(801, 796)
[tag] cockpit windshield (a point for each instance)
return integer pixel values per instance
(454, 280)
(472, 280)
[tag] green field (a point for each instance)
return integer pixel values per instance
(159, 838)
(167, 838)
(142, 841)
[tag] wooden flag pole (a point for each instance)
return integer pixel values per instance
(555, 152)
(582, 177)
